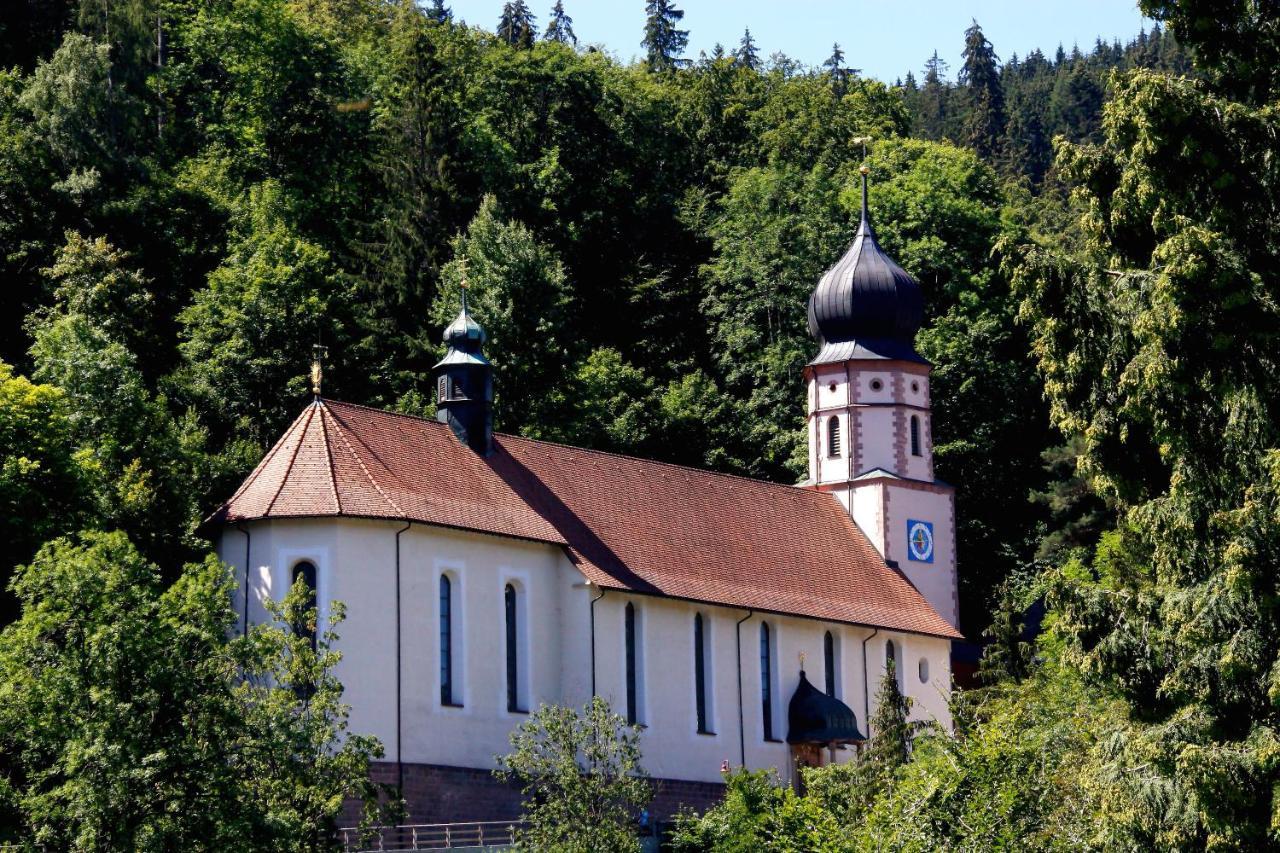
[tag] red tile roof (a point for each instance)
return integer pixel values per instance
(627, 523)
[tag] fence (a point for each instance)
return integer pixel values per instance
(430, 836)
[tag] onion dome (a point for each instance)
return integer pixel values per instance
(815, 717)
(464, 338)
(866, 306)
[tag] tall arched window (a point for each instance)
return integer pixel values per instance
(446, 641)
(915, 435)
(766, 681)
(633, 683)
(700, 672)
(829, 662)
(891, 660)
(833, 436)
(513, 650)
(305, 573)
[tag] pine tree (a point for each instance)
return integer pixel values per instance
(560, 27)
(515, 27)
(980, 75)
(891, 731)
(439, 12)
(931, 118)
(663, 42)
(835, 67)
(748, 56)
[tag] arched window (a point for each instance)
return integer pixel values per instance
(833, 436)
(305, 573)
(513, 650)
(915, 435)
(891, 660)
(700, 672)
(829, 662)
(766, 681)
(633, 681)
(446, 641)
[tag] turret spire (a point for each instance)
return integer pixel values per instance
(464, 382)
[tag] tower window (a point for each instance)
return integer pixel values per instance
(833, 436)
(446, 641)
(915, 435)
(876, 385)
(924, 670)
(633, 664)
(700, 697)
(766, 681)
(305, 573)
(442, 389)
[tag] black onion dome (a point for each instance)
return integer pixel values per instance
(815, 717)
(866, 305)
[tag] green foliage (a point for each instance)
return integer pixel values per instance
(581, 779)
(663, 41)
(129, 720)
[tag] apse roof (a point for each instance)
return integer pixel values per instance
(626, 523)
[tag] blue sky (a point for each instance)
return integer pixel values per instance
(885, 39)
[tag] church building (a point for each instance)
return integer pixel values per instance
(739, 622)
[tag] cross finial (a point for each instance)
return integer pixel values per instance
(318, 353)
(802, 661)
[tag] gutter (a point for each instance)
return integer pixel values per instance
(593, 641)
(742, 726)
(399, 722)
(248, 542)
(866, 683)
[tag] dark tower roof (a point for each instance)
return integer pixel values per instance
(815, 717)
(866, 306)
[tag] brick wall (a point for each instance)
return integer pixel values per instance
(437, 794)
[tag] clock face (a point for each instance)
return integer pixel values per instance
(919, 541)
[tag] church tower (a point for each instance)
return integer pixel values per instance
(464, 383)
(869, 422)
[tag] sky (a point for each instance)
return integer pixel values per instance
(884, 39)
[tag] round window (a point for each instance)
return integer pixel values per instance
(924, 670)
(832, 387)
(876, 384)
(915, 387)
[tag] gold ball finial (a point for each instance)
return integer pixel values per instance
(864, 169)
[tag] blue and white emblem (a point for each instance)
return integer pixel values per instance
(919, 541)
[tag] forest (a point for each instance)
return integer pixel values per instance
(195, 194)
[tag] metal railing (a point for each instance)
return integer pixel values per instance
(430, 836)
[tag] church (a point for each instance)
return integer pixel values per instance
(738, 622)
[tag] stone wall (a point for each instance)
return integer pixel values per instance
(438, 794)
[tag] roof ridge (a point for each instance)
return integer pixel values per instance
(333, 473)
(261, 466)
(690, 468)
(311, 413)
(342, 433)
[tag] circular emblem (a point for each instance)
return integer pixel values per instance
(920, 540)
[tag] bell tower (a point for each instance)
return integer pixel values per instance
(869, 421)
(464, 383)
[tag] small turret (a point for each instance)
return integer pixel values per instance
(464, 383)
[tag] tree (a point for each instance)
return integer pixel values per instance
(580, 776)
(980, 75)
(932, 116)
(663, 42)
(835, 68)
(518, 292)
(560, 27)
(515, 27)
(439, 12)
(747, 56)
(131, 718)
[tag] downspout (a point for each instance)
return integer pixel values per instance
(593, 641)
(866, 683)
(248, 541)
(742, 726)
(399, 730)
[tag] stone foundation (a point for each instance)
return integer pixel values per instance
(435, 793)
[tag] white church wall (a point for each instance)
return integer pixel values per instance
(936, 580)
(356, 564)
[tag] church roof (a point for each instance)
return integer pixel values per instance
(626, 523)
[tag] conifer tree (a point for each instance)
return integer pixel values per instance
(980, 75)
(663, 41)
(835, 68)
(439, 12)
(560, 27)
(931, 118)
(889, 746)
(515, 27)
(748, 56)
